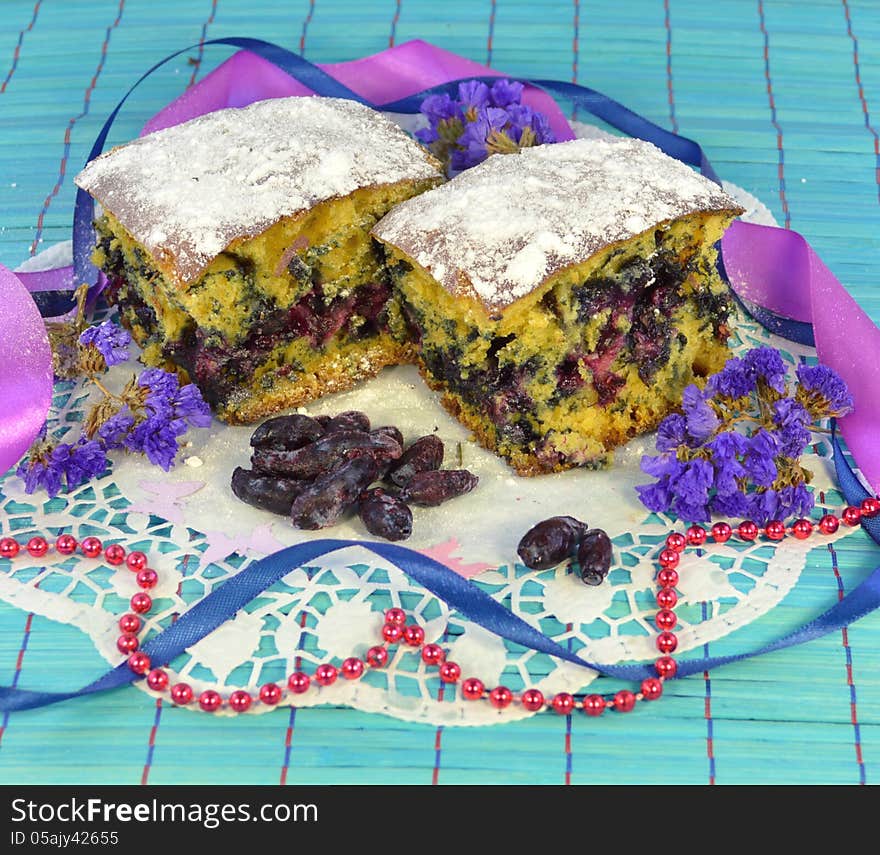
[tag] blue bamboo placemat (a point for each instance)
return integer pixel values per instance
(780, 95)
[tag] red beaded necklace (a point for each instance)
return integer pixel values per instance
(395, 629)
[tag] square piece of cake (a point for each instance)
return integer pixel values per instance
(237, 246)
(562, 297)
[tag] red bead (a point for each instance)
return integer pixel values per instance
(8, 547)
(433, 654)
(129, 623)
(851, 515)
(829, 524)
(141, 603)
(210, 701)
(392, 633)
(298, 682)
(377, 656)
(500, 697)
(669, 558)
(775, 529)
(413, 635)
(801, 529)
(270, 694)
(563, 703)
(665, 619)
(136, 561)
(594, 705)
(667, 642)
(667, 598)
(139, 662)
(115, 554)
(450, 671)
(721, 532)
(870, 507)
(397, 617)
(652, 688)
(181, 693)
(326, 674)
(624, 701)
(666, 666)
(747, 530)
(667, 577)
(127, 643)
(157, 680)
(91, 547)
(147, 578)
(240, 701)
(696, 535)
(676, 541)
(37, 546)
(472, 689)
(532, 699)
(352, 668)
(66, 544)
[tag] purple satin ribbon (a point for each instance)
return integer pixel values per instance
(25, 370)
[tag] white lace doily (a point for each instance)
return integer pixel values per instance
(198, 534)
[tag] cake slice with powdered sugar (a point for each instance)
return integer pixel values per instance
(562, 297)
(237, 246)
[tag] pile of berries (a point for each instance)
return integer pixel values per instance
(557, 539)
(317, 469)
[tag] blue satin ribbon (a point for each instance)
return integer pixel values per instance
(458, 593)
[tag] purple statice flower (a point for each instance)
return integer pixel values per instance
(735, 380)
(759, 459)
(37, 472)
(766, 363)
(168, 409)
(700, 417)
(473, 93)
(672, 432)
(666, 468)
(111, 340)
(156, 437)
(74, 464)
(727, 448)
(521, 117)
(793, 433)
(770, 504)
(505, 92)
(691, 489)
(439, 110)
(474, 142)
(189, 405)
(733, 505)
(112, 433)
(822, 391)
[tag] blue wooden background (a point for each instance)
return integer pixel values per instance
(780, 95)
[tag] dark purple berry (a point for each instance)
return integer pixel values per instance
(594, 556)
(265, 491)
(349, 420)
(323, 421)
(326, 499)
(325, 454)
(385, 515)
(423, 455)
(550, 542)
(291, 432)
(436, 486)
(392, 431)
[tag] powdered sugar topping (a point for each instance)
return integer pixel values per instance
(508, 224)
(187, 191)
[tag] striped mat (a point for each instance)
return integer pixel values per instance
(779, 93)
